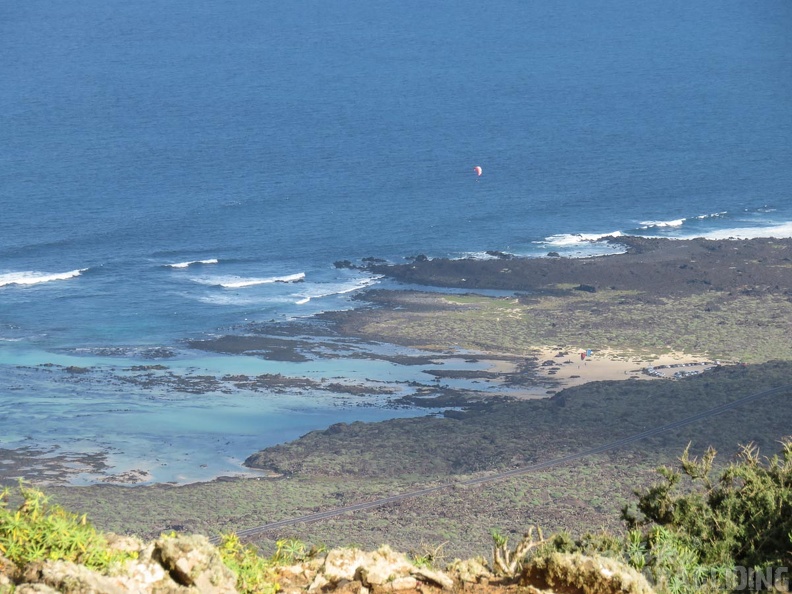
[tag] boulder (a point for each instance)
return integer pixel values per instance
(342, 564)
(499, 255)
(32, 589)
(193, 561)
(582, 574)
(406, 582)
(383, 566)
(470, 570)
(360, 572)
(125, 544)
(8, 570)
(434, 577)
(70, 578)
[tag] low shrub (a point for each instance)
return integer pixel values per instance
(38, 530)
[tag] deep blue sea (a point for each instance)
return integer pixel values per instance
(164, 164)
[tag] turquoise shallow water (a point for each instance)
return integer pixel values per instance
(171, 171)
(72, 405)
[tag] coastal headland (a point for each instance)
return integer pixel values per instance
(710, 317)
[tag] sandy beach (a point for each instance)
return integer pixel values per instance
(608, 365)
(563, 368)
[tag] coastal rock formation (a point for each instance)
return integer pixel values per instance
(657, 266)
(358, 572)
(183, 564)
(170, 565)
(354, 570)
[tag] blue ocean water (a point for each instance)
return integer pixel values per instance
(169, 170)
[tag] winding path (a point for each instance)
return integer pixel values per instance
(630, 439)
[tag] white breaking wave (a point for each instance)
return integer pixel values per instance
(652, 224)
(476, 256)
(780, 231)
(34, 278)
(237, 300)
(577, 238)
(239, 282)
(186, 264)
(713, 215)
(335, 289)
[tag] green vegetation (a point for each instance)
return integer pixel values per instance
(687, 533)
(718, 324)
(690, 533)
(742, 519)
(507, 562)
(430, 557)
(37, 531)
(254, 573)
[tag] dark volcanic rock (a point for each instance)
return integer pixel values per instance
(499, 255)
(418, 258)
(657, 266)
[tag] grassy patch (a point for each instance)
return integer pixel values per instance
(750, 328)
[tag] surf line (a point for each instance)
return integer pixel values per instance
(630, 439)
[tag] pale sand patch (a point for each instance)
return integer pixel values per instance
(609, 365)
(603, 365)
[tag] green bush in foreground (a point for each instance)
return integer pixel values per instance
(254, 573)
(744, 519)
(690, 533)
(37, 531)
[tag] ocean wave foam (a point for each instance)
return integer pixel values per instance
(780, 231)
(35, 278)
(237, 300)
(568, 239)
(238, 282)
(713, 215)
(187, 264)
(653, 224)
(476, 256)
(328, 290)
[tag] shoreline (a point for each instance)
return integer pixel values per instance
(547, 415)
(515, 337)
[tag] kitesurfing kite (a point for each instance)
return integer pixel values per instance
(477, 169)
